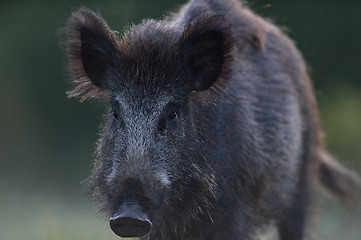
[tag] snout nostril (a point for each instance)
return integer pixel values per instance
(130, 227)
(130, 221)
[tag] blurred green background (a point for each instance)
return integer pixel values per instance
(47, 140)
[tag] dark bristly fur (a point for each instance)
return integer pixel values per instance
(213, 128)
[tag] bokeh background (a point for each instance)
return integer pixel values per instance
(47, 140)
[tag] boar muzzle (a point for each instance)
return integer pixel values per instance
(130, 221)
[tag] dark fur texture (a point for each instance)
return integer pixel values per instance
(213, 126)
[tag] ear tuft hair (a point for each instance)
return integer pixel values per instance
(92, 51)
(206, 46)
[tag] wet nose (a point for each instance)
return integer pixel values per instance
(130, 221)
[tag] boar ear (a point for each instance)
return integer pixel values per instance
(92, 52)
(206, 44)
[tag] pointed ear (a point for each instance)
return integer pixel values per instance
(92, 53)
(206, 46)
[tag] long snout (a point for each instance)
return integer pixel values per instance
(130, 221)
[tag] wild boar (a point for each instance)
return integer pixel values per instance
(212, 128)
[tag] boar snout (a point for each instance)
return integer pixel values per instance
(130, 221)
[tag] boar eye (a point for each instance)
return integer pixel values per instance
(173, 115)
(115, 111)
(117, 120)
(115, 115)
